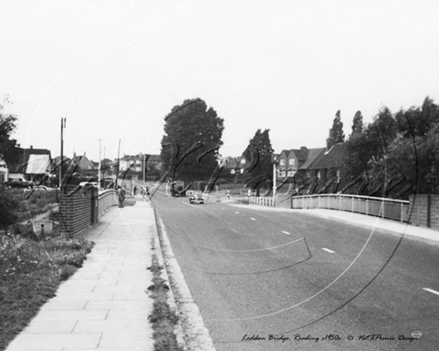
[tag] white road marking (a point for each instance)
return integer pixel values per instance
(328, 250)
(431, 291)
(253, 218)
(286, 232)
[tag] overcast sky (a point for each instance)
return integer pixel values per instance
(114, 69)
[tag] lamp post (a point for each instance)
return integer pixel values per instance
(274, 164)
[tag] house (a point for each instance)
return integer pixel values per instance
(329, 162)
(290, 161)
(135, 162)
(81, 164)
(31, 164)
(234, 165)
(154, 162)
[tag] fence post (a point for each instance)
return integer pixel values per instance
(340, 199)
(401, 212)
(352, 204)
(367, 207)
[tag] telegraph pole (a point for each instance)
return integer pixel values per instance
(63, 125)
(99, 167)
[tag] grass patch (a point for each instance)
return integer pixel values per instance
(31, 203)
(163, 318)
(31, 269)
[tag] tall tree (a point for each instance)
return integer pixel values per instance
(418, 121)
(8, 147)
(259, 156)
(337, 132)
(192, 137)
(358, 125)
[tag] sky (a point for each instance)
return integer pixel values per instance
(115, 69)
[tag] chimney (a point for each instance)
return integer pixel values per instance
(330, 141)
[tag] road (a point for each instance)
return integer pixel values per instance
(286, 281)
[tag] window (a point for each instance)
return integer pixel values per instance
(282, 174)
(291, 161)
(290, 173)
(282, 162)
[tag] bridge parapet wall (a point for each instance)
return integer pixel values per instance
(83, 206)
(78, 208)
(371, 206)
(106, 199)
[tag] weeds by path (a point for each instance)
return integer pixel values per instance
(31, 270)
(163, 318)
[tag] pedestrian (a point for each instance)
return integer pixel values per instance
(135, 190)
(121, 192)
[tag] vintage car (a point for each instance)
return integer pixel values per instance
(18, 183)
(196, 198)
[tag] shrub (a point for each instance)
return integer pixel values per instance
(8, 204)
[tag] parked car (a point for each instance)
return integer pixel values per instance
(43, 187)
(18, 183)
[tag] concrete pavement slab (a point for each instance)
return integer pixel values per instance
(52, 341)
(57, 326)
(104, 305)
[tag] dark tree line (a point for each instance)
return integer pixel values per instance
(8, 152)
(396, 151)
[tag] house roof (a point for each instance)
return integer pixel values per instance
(234, 162)
(301, 154)
(38, 164)
(83, 163)
(330, 159)
(312, 155)
(21, 163)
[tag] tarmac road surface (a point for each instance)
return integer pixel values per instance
(288, 281)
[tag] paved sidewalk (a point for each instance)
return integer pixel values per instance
(427, 235)
(104, 305)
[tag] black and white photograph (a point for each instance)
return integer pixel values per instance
(219, 175)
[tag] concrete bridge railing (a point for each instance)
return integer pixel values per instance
(262, 201)
(372, 206)
(106, 199)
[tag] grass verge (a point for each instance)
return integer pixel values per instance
(163, 318)
(31, 269)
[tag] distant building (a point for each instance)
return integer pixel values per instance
(82, 166)
(329, 162)
(31, 164)
(135, 163)
(234, 165)
(321, 164)
(290, 161)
